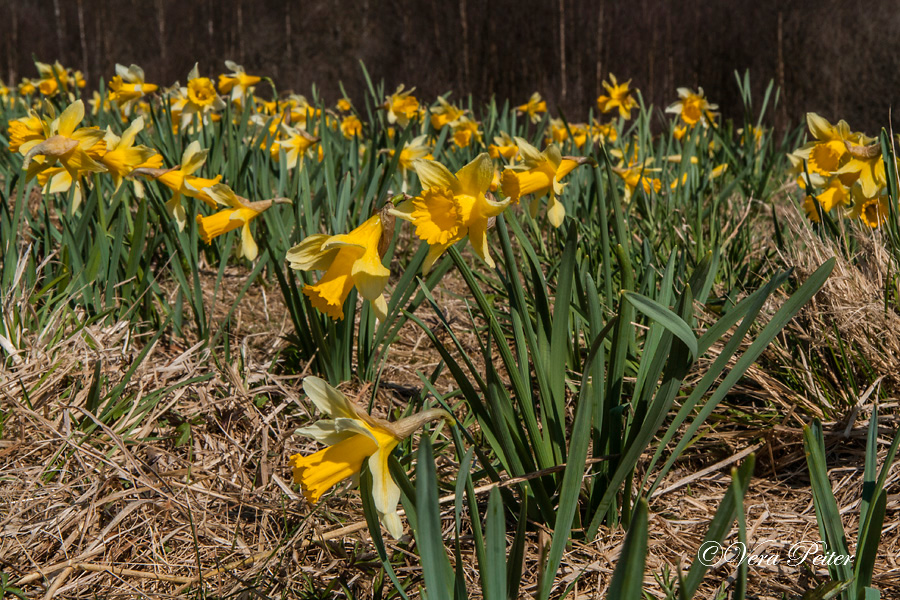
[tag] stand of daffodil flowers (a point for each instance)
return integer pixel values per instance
(584, 315)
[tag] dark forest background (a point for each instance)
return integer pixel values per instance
(839, 58)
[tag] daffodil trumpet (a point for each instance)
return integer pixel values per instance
(353, 436)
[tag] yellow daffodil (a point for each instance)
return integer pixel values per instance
(503, 146)
(413, 150)
(617, 96)
(344, 105)
(603, 132)
(444, 113)
(27, 87)
(465, 130)
(25, 129)
(122, 156)
(755, 134)
(299, 111)
(296, 144)
(351, 127)
(453, 206)
(64, 142)
(239, 213)
(557, 131)
(539, 174)
(402, 107)
(127, 87)
(635, 176)
(55, 75)
(534, 108)
(874, 211)
(352, 436)
(237, 83)
(693, 107)
(580, 133)
(182, 182)
(828, 151)
(351, 259)
(198, 98)
(832, 193)
(865, 165)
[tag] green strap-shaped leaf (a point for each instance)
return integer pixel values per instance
(666, 318)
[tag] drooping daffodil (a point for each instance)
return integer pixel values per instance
(127, 87)
(540, 174)
(350, 259)
(122, 156)
(182, 181)
(353, 436)
(444, 113)
(237, 83)
(239, 213)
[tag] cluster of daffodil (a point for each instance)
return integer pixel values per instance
(441, 207)
(447, 209)
(841, 169)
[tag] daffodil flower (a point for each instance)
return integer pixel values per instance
(453, 206)
(299, 111)
(617, 96)
(534, 108)
(636, 175)
(557, 131)
(344, 105)
(55, 75)
(122, 156)
(402, 107)
(351, 259)
(413, 150)
(444, 113)
(828, 151)
(865, 164)
(64, 142)
(503, 146)
(353, 436)
(296, 145)
(237, 83)
(464, 131)
(539, 174)
(239, 213)
(182, 182)
(25, 129)
(198, 98)
(127, 87)
(351, 127)
(692, 107)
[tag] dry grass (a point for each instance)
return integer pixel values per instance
(131, 510)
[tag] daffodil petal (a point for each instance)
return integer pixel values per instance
(249, 249)
(327, 399)
(309, 255)
(385, 492)
(433, 174)
(476, 177)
